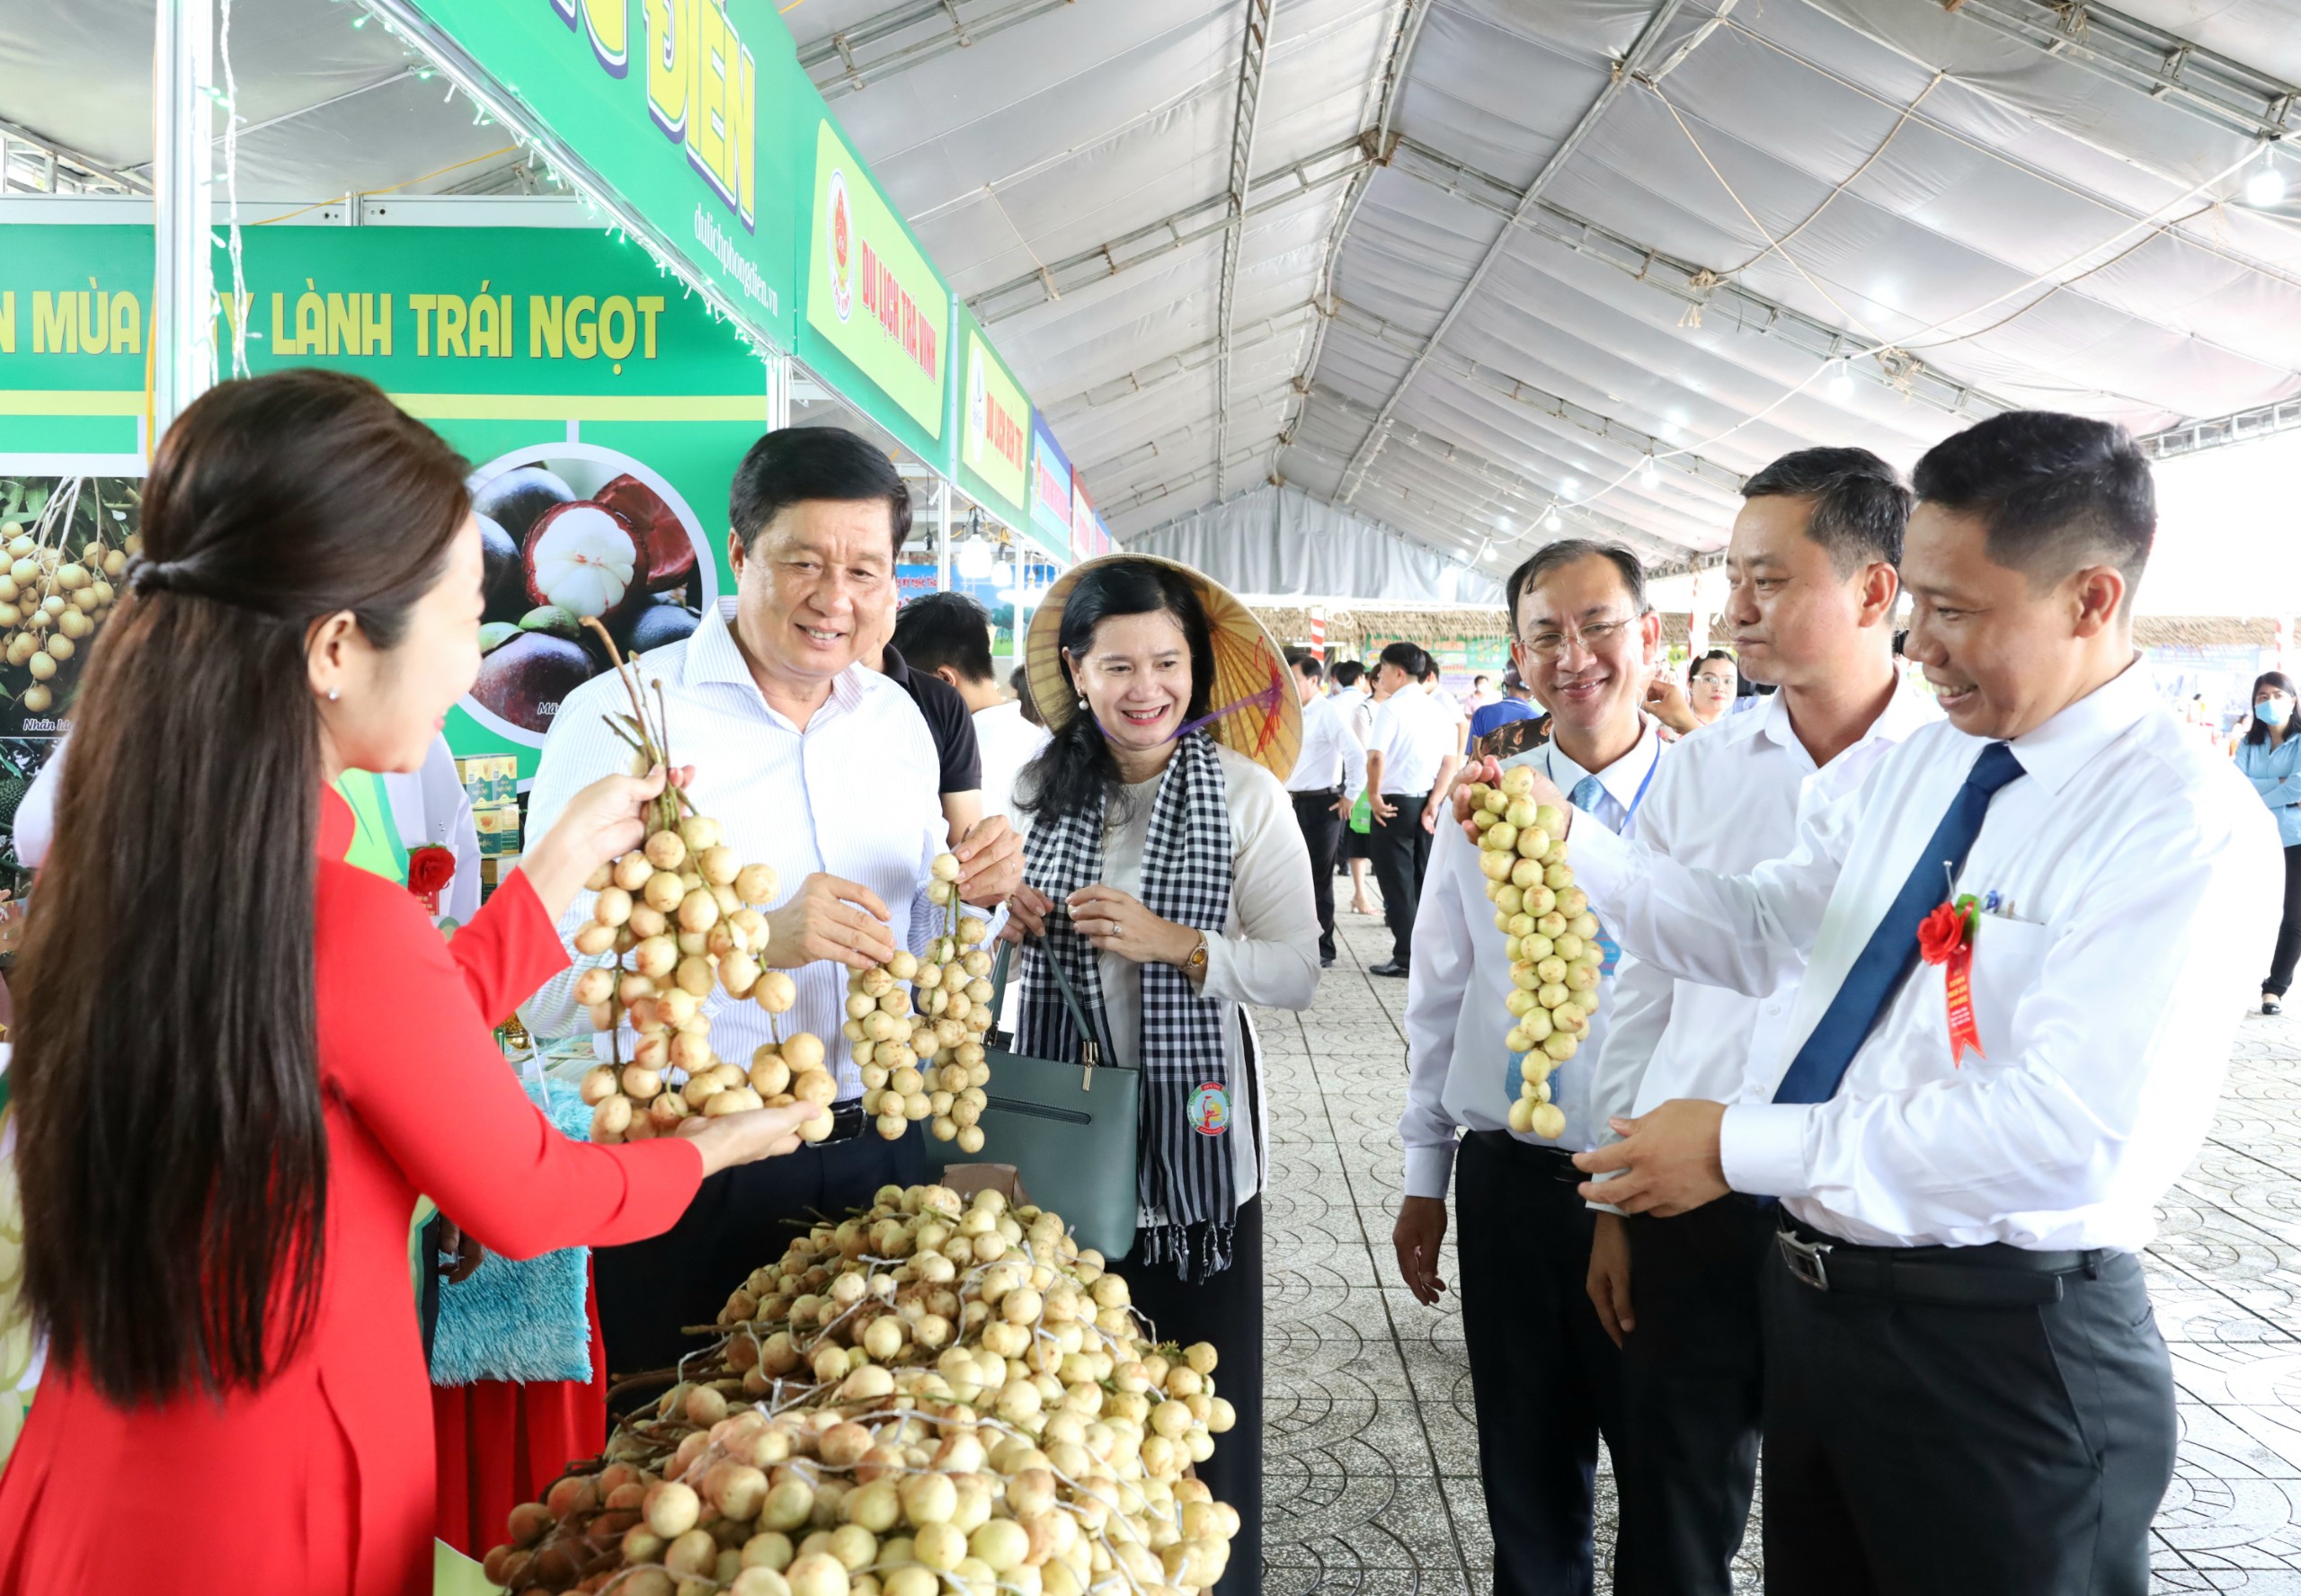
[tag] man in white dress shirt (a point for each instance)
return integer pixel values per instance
(1411, 758)
(825, 770)
(948, 635)
(1330, 768)
(2026, 943)
(1544, 1374)
(1810, 594)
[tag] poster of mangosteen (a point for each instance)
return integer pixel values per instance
(573, 533)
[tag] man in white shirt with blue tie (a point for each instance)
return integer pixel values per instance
(1545, 1376)
(1331, 767)
(2026, 945)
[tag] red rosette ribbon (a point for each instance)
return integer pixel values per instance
(429, 869)
(1946, 937)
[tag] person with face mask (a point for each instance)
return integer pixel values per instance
(2270, 756)
(2019, 948)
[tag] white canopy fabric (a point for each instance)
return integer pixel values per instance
(1279, 543)
(1479, 272)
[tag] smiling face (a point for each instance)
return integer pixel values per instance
(1137, 679)
(2005, 654)
(1792, 613)
(815, 590)
(1711, 689)
(1584, 649)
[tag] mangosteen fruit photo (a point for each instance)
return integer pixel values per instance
(504, 589)
(525, 680)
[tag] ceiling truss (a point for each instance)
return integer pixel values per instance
(910, 35)
(1253, 55)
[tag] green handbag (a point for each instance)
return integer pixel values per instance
(1067, 1128)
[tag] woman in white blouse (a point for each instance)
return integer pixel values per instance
(1166, 872)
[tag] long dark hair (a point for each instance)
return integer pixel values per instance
(172, 1152)
(2255, 730)
(1075, 769)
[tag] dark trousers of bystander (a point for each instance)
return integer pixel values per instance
(1226, 1312)
(1545, 1379)
(741, 1218)
(1401, 850)
(1914, 1447)
(1693, 1394)
(2289, 931)
(1322, 830)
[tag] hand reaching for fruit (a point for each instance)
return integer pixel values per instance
(601, 823)
(1487, 772)
(991, 861)
(748, 1135)
(832, 919)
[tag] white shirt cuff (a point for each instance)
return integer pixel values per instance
(1429, 1170)
(1761, 1148)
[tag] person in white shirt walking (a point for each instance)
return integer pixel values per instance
(1331, 767)
(1964, 1388)
(816, 766)
(1810, 594)
(1544, 1374)
(1411, 758)
(948, 635)
(1356, 698)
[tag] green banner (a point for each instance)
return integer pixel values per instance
(680, 110)
(994, 426)
(877, 316)
(559, 360)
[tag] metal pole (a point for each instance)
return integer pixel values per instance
(183, 295)
(942, 537)
(778, 392)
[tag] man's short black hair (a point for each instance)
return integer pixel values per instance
(1019, 683)
(1565, 551)
(1406, 656)
(1347, 674)
(1429, 665)
(2056, 493)
(938, 629)
(1860, 505)
(792, 464)
(1306, 662)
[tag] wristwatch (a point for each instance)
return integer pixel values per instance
(1196, 964)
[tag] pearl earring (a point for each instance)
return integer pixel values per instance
(333, 694)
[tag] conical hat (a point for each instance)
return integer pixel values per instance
(1252, 679)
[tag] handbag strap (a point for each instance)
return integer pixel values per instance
(1086, 1043)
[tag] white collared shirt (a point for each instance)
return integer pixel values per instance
(1730, 797)
(1414, 733)
(1455, 1018)
(853, 794)
(1008, 742)
(1332, 756)
(2136, 879)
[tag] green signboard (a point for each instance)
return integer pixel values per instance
(994, 425)
(560, 361)
(877, 316)
(679, 111)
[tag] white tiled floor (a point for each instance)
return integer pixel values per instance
(1370, 1462)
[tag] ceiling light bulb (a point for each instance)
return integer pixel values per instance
(1646, 472)
(975, 559)
(1841, 376)
(2265, 187)
(1551, 523)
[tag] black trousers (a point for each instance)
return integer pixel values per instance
(2288, 930)
(741, 1218)
(1322, 830)
(1401, 850)
(1227, 1312)
(1914, 1448)
(1545, 1377)
(1693, 1394)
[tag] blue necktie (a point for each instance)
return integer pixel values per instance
(1587, 794)
(1814, 1075)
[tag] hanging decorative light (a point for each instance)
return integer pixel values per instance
(2266, 187)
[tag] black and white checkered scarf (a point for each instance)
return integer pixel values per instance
(1185, 1178)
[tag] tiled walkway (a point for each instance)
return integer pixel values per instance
(1372, 1464)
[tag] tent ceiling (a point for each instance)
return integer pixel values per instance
(1480, 260)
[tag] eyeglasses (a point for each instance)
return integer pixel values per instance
(1715, 681)
(1551, 641)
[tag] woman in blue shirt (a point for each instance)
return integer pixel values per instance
(2271, 755)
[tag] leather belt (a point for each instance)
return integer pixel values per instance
(1992, 1276)
(1558, 1163)
(847, 1121)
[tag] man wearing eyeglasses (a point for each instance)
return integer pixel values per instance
(1544, 1372)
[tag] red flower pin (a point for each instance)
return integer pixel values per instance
(1946, 936)
(430, 868)
(1947, 928)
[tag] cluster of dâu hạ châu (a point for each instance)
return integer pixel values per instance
(932, 1396)
(920, 1051)
(680, 919)
(1552, 939)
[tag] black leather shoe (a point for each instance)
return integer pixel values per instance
(1391, 967)
(1326, 961)
(2270, 1006)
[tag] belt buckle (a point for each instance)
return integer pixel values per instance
(1805, 1260)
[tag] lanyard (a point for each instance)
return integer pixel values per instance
(1639, 797)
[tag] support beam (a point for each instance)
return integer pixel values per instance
(1170, 233)
(1153, 491)
(183, 282)
(1253, 53)
(2243, 426)
(1703, 290)
(1183, 436)
(1666, 456)
(1640, 52)
(59, 163)
(2144, 58)
(909, 35)
(1158, 374)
